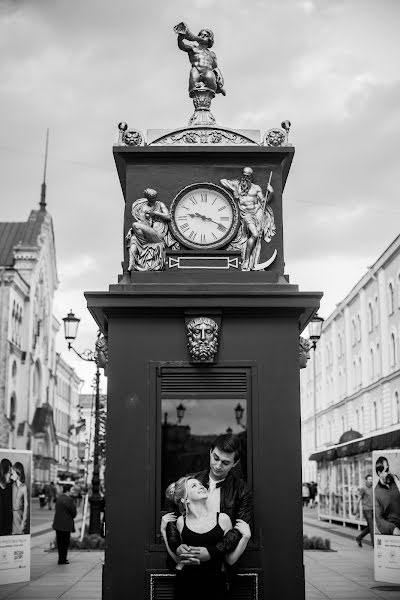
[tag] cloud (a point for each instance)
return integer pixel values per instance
(80, 68)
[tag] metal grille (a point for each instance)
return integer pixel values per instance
(245, 586)
(209, 383)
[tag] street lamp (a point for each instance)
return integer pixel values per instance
(239, 411)
(315, 329)
(180, 412)
(70, 330)
(71, 323)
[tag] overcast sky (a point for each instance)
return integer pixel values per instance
(331, 67)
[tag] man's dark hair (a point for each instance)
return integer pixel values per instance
(5, 468)
(379, 466)
(228, 443)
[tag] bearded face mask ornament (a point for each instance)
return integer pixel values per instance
(202, 339)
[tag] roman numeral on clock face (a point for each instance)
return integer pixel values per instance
(185, 226)
(202, 238)
(203, 197)
(192, 234)
(224, 218)
(193, 200)
(221, 227)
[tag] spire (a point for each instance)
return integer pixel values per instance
(43, 190)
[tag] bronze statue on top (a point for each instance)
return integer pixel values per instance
(205, 79)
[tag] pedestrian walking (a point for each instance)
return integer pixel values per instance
(313, 494)
(365, 496)
(305, 493)
(52, 493)
(63, 523)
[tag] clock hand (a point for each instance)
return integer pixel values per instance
(203, 217)
(210, 219)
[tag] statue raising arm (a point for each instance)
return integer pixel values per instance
(204, 71)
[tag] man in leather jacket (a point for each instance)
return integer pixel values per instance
(227, 493)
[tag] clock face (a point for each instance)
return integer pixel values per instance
(204, 215)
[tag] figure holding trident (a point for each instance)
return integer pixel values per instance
(257, 218)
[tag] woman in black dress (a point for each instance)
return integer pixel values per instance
(200, 527)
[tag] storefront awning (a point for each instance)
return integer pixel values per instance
(383, 441)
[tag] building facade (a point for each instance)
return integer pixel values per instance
(352, 380)
(68, 422)
(29, 365)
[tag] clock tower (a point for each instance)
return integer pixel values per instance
(203, 340)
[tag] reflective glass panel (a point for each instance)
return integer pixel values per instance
(188, 429)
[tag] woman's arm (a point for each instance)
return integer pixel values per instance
(245, 532)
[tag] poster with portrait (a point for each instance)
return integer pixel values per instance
(386, 484)
(15, 515)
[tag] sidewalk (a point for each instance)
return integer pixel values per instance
(346, 574)
(80, 580)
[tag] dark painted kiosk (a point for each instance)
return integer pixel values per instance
(203, 339)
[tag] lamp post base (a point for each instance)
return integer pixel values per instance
(95, 502)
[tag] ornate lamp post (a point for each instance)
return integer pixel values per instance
(180, 412)
(239, 411)
(315, 329)
(71, 323)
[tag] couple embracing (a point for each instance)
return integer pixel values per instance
(212, 529)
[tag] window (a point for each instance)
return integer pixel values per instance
(398, 288)
(358, 328)
(360, 369)
(36, 383)
(374, 416)
(185, 440)
(353, 332)
(14, 371)
(362, 420)
(378, 361)
(380, 414)
(370, 317)
(13, 409)
(358, 419)
(371, 363)
(396, 408)
(376, 311)
(393, 353)
(390, 298)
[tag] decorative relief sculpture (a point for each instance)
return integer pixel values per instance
(257, 219)
(129, 137)
(101, 346)
(149, 233)
(275, 137)
(202, 339)
(204, 135)
(304, 352)
(205, 78)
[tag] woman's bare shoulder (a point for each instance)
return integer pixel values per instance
(225, 521)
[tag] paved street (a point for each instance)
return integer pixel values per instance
(346, 574)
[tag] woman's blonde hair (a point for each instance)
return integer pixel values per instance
(177, 493)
